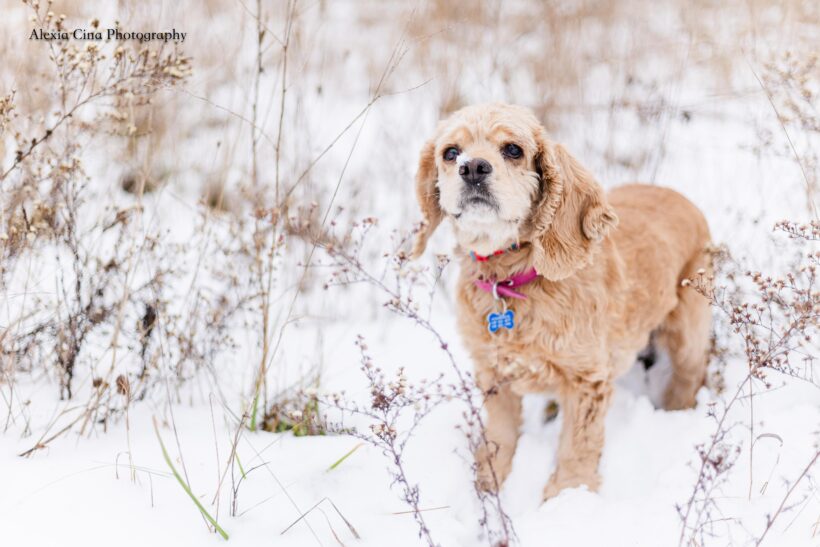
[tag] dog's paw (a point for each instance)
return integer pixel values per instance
(679, 397)
(558, 483)
(490, 478)
(484, 480)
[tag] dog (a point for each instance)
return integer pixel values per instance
(560, 285)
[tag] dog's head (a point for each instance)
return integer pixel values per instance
(492, 170)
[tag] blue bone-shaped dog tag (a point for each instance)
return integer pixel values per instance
(496, 321)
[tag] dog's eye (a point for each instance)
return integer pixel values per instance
(450, 154)
(512, 151)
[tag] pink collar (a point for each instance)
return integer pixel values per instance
(504, 288)
(484, 258)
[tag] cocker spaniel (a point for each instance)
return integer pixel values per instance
(561, 286)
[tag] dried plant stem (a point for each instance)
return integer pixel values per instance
(809, 190)
(285, 45)
(770, 521)
(395, 58)
(255, 107)
(465, 390)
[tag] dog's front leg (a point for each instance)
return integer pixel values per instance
(584, 407)
(502, 431)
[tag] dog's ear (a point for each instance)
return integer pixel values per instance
(427, 194)
(571, 215)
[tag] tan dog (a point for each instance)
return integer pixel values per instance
(609, 275)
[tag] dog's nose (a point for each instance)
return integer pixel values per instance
(475, 170)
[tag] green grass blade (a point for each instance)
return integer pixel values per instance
(241, 469)
(185, 486)
(338, 462)
(254, 410)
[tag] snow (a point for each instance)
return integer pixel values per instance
(112, 484)
(86, 488)
(462, 159)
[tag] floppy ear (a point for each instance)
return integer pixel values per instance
(572, 215)
(427, 194)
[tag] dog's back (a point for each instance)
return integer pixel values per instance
(662, 238)
(657, 227)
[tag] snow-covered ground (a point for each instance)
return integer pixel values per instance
(86, 492)
(671, 114)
